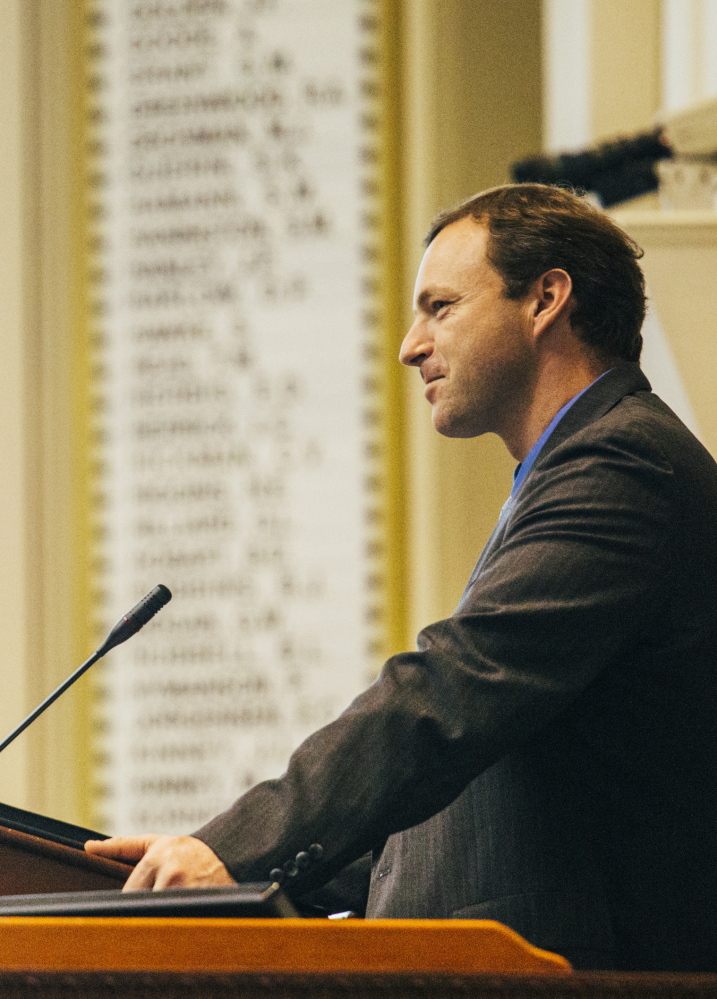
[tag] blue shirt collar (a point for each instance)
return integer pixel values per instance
(525, 466)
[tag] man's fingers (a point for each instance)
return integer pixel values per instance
(121, 847)
(143, 877)
(168, 875)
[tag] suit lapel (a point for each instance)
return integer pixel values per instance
(623, 380)
(599, 399)
(494, 541)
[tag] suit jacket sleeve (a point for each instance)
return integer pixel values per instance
(576, 578)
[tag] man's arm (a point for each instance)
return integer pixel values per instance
(581, 567)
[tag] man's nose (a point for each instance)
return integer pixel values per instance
(416, 346)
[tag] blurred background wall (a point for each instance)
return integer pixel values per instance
(475, 85)
(44, 448)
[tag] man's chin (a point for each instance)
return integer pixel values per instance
(450, 425)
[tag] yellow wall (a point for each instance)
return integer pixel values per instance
(473, 105)
(625, 66)
(18, 369)
(41, 342)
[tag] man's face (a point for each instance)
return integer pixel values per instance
(473, 346)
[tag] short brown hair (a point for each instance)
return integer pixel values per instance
(534, 228)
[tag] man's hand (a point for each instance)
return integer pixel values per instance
(164, 861)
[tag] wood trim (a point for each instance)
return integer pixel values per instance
(313, 946)
(66, 629)
(20, 611)
(393, 238)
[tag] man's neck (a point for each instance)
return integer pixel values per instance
(556, 383)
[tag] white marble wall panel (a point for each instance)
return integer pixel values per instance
(235, 181)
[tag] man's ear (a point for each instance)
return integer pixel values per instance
(552, 299)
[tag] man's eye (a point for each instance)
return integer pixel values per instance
(438, 305)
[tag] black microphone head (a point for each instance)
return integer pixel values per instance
(135, 619)
(148, 606)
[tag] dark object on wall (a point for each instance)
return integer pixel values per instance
(614, 171)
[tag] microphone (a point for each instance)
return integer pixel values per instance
(615, 170)
(127, 626)
(135, 619)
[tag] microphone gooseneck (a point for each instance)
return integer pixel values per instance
(127, 626)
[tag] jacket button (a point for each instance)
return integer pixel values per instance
(276, 874)
(303, 860)
(290, 868)
(316, 851)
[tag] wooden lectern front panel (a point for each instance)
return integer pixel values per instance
(30, 865)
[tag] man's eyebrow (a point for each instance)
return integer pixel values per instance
(428, 293)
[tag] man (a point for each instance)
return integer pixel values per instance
(547, 757)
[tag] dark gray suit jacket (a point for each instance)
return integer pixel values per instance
(548, 756)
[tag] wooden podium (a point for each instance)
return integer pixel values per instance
(217, 958)
(83, 957)
(73, 958)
